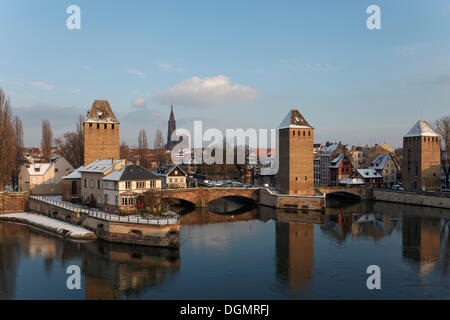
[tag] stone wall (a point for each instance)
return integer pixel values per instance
(13, 202)
(409, 198)
(283, 201)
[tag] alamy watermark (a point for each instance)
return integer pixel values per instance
(73, 22)
(212, 146)
(374, 280)
(74, 280)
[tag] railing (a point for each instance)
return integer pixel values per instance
(103, 215)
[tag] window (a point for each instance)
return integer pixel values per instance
(106, 126)
(112, 126)
(116, 201)
(90, 125)
(127, 184)
(98, 125)
(124, 201)
(92, 183)
(85, 183)
(106, 199)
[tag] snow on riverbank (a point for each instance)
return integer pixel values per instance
(42, 222)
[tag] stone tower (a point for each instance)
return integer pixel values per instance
(172, 126)
(101, 133)
(421, 167)
(296, 168)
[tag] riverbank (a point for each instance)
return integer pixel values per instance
(54, 226)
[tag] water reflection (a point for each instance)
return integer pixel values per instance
(258, 253)
(111, 270)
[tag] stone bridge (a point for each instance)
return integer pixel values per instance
(200, 197)
(358, 191)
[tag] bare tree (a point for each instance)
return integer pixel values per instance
(7, 143)
(160, 155)
(442, 127)
(71, 146)
(124, 151)
(18, 141)
(47, 140)
(143, 149)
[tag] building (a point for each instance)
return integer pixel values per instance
(72, 186)
(386, 166)
(370, 177)
(123, 189)
(171, 128)
(101, 133)
(340, 168)
(328, 151)
(91, 178)
(358, 154)
(44, 178)
(172, 177)
(317, 171)
(296, 169)
(421, 158)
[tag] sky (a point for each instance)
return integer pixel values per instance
(230, 64)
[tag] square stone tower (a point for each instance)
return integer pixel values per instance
(296, 155)
(421, 167)
(101, 133)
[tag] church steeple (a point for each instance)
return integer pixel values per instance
(172, 126)
(172, 117)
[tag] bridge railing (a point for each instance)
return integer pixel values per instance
(104, 215)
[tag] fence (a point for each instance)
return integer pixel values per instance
(103, 215)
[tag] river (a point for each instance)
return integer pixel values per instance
(262, 253)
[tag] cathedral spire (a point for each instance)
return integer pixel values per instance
(172, 117)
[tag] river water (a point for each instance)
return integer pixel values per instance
(259, 254)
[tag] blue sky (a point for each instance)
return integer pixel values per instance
(229, 63)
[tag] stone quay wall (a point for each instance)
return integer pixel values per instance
(412, 198)
(13, 202)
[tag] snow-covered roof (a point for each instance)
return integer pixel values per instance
(351, 181)
(379, 162)
(420, 129)
(369, 173)
(330, 149)
(76, 174)
(294, 119)
(336, 162)
(131, 172)
(99, 166)
(38, 169)
(101, 112)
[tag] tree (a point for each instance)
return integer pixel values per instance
(47, 140)
(7, 143)
(124, 151)
(71, 146)
(143, 149)
(160, 155)
(442, 127)
(18, 141)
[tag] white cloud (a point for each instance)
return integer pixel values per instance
(139, 102)
(168, 66)
(206, 92)
(42, 85)
(135, 72)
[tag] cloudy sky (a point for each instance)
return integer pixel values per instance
(232, 64)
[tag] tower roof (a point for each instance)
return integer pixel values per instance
(172, 117)
(420, 129)
(294, 119)
(101, 112)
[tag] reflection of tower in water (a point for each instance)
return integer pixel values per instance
(295, 252)
(115, 269)
(421, 241)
